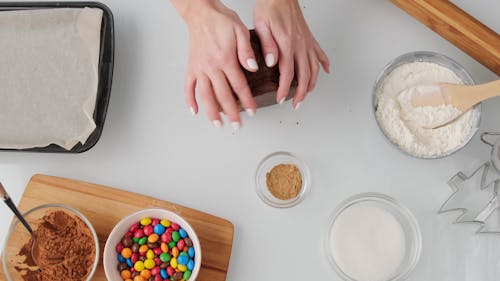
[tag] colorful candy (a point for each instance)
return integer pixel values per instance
(155, 250)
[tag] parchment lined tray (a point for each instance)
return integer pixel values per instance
(105, 68)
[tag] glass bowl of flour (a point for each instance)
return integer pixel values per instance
(372, 237)
(422, 68)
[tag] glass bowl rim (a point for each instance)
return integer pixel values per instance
(46, 206)
(413, 57)
(401, 209)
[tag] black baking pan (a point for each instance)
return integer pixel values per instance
(106, 63)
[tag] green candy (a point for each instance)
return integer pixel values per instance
(171, 245)
(186, 275)
(135, 239)
(165, 257)
(183, 254)
(176, 236)
(143, 240)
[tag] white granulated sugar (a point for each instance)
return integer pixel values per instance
(367, 243)
(404, 130)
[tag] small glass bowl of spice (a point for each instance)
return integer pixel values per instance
(282, 180)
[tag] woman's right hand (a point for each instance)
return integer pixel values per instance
(219, 44)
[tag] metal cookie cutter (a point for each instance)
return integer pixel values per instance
(477, 196)
(495, 152)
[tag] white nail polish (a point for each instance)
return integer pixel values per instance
(297, 106)
(270, 60)
(282, 101)
(217, 124)
(250, 112)
(236, 125)
(252, 63)
(192, 111)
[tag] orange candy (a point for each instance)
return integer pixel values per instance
(153, 238)
(175, 252)
(139, 278)
(146, 274)
(164, 247)
(126, 253)
(143, 249)
(125, 274)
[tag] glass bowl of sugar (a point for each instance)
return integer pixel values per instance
(372, 237)
(415, 69)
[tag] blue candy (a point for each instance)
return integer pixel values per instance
(130, 263)
(159, 229)
(182, 260)
(191, 252)
(121, 258)
(163, 273)
(190, 265)
(183, 233)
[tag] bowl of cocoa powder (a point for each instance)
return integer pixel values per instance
(282, 180)
(64, 246)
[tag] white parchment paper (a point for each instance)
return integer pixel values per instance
(48, 76)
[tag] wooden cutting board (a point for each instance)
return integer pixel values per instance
(105, 207)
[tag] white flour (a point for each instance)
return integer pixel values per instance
(368, 243)
(406, 129)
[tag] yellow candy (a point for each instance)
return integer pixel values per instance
(150, 254)
(139, 266)
(149, 264)
(146, 221)
(165, 223)
(173, 263)
(181, 267)
(153, 238)
(164, 247)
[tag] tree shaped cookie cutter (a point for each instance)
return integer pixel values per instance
(477, 196)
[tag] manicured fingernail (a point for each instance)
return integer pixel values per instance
(282, 101)
(252, 63)
(250, 112)
(270, 60)
(236, 125)
(192, 111)
(297, 106)
(217, 124)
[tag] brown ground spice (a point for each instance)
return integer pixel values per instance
(66, 249)
(284, 181)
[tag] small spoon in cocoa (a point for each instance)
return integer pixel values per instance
(8, 201)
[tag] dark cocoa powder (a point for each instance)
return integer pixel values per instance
(65, 249)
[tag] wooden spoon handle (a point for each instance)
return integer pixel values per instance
(465, 97)
(3, 193)
(458, 27)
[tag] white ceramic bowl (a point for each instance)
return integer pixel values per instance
(110, 256)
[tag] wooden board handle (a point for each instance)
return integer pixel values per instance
(458, 27)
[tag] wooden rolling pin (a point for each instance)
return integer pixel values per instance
(458, 27)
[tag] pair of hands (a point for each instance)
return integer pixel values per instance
(220, 43)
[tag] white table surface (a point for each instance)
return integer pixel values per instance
(151, 144)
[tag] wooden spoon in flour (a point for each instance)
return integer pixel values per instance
(449, 101)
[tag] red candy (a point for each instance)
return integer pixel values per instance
(157, 261)
(158, 277)
(155, 270)
(129, 234)
(157, 251)
(139, 233)
(134, 227)
(148, 230)
(134, 258)
(180, 244)
(166, 237)
(175, 226)
(119, 248)
(170, 271)
(155, 222)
